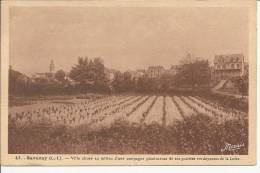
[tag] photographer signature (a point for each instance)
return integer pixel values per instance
(230, 147)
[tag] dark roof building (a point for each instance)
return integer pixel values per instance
(228, 66)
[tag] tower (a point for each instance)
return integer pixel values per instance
(52, 67)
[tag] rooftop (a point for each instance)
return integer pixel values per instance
(228, 58)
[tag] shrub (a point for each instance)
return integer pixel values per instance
(197, 134)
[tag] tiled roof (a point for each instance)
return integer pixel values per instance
(228, 58)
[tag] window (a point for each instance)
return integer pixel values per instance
(232, 65)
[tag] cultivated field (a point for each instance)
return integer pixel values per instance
(102, 112)
(93, 115)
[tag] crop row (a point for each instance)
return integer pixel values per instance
(139, 109)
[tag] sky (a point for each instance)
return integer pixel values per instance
(126, 38)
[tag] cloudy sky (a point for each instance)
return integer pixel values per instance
(126, 38)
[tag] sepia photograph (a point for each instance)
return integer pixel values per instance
(129, 80)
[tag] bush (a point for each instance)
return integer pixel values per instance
(227, 101)
(198, 134)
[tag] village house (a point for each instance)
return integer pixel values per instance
(110, 74)
(228, 66)
(135, 75)
(155, 71)
(46, 75)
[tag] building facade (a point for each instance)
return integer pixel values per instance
(135, 75)
(228, 66)
(46, 75)
(155, 71)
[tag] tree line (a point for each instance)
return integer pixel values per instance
(90, 75)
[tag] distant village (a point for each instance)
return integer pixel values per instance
(224, 67)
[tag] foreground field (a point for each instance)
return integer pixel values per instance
(126, 124)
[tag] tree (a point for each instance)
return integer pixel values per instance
(123, 82)
(117, 82)
(146, 84)
(166, 81)
(60, 75)
(242, 84)
(89, 73)
(128, 82)
(80, 72)
(18, 82)
(193, 74)
(99, 72)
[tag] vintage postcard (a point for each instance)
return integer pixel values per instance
(120, 82)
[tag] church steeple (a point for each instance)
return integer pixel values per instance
(52, 67)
